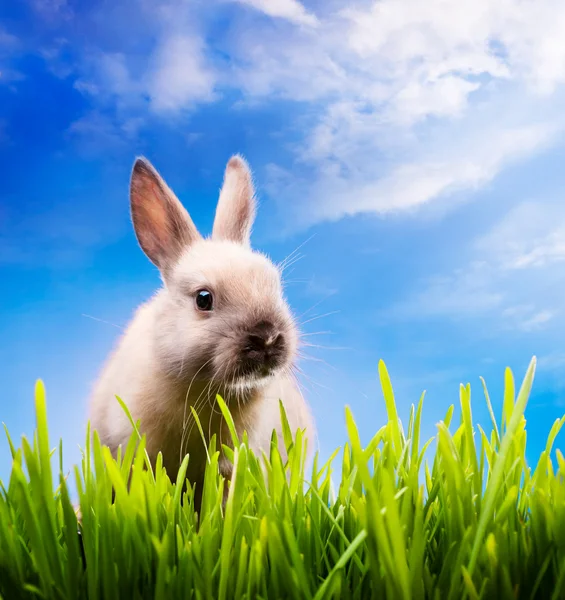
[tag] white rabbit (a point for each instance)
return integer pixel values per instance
(219, 324)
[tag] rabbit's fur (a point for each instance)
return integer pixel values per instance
(174, 355)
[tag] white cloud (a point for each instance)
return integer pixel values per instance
(404, 102)
(52, 9)
(351, 182)
(96, 132)
(515, 279)
(553, 361)
(413, 101)
(179, 77)
(480, 290)
(292, 10)
(7, 40)
(464, 293)
(9, 44)
(176, 78)
(527, 318)
(8, 75)
(531, 235)
(108, 77)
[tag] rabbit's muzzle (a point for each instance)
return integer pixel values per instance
(263, 349)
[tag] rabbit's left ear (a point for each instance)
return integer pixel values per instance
(236, 206)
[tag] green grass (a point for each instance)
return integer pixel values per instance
(476, 522)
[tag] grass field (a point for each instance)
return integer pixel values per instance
(476, 522)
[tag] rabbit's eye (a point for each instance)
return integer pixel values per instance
(204, 300)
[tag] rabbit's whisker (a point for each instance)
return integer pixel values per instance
(184, 419)
(311, 380)
(219, 332)
(333, 312)
(199, 406)
(103, 321)
(315, 305)
(311, 333)
(284, 263)
(306, 345)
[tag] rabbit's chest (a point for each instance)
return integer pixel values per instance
(188, 426)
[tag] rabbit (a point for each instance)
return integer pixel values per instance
(219, 325)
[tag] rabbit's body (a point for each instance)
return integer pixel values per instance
(162, 401)
(175, 355)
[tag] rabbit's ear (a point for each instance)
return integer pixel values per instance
(162, 225)
(236, 207)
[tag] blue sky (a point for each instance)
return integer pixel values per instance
(417, 149)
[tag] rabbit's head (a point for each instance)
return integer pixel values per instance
(222, 317)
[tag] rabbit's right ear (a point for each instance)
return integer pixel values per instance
(162, 225)
(235, 212)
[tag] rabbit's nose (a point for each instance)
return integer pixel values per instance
(264, 344)
(268, 345)
(264, 336)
